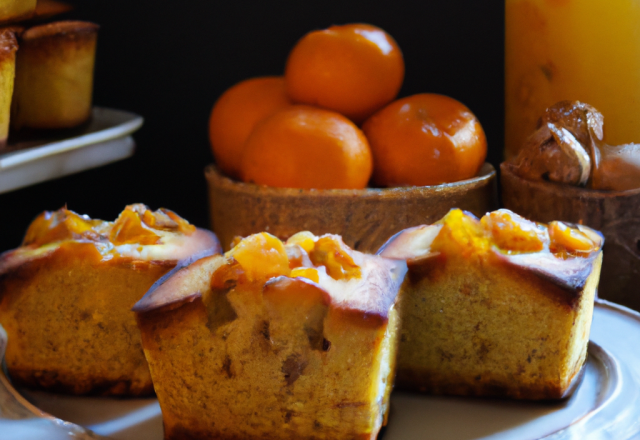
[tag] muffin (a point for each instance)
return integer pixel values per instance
(54, 76)
(274, 340)
(500, 306)
(66, 295)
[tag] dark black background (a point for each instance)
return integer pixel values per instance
(169, 61)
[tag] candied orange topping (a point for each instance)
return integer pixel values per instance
(304, 239)
(59, 225)
(135, 225)
(306, 272)
(510, 232)
(167, 220)
(569, 241)
(261, 256)
(461, 228)
(331, 253)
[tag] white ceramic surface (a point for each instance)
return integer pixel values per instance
(605, 406)
(104, 140)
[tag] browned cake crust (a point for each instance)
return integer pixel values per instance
(69, 30)
(48, 8)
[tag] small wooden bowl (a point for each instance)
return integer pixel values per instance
(615, 213)
(364, 218)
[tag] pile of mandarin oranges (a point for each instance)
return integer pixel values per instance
(333, 121)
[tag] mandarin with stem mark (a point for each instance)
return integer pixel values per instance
(236, 113)
(353, 69)
(307, 147)
(425, 139)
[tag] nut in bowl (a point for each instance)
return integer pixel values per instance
(565, 171)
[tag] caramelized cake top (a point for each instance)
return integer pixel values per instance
(349, 279)
(138, 233)
(559, 251)
(60, 28)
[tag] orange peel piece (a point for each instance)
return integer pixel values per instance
(261, 256)
(510, 232)
(330, 252)
(569, 241)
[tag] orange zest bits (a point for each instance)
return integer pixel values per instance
(236, 113)
(425, 139)
(510, 232)
(307, 147)
(569, 241)
(353, 69)
(60, 225)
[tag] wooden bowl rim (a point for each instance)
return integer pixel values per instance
(486, 174)
(567, 190)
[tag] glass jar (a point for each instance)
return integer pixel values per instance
(586, 50)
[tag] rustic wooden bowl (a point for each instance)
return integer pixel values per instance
(615, 213)
(364, 218)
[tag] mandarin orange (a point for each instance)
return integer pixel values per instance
(307, 147)
(425, 139)
(235, 114)
(353, 69)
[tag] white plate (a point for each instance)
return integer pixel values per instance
(104, 140)
(606, 405)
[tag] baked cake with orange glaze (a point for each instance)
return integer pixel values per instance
(66, 296)
(500, 306)
(274, 340)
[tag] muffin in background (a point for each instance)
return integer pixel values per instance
(54, 76)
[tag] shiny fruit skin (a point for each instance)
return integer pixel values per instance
(307, 147)
(425, 139)
(353, 69)
(236, 113)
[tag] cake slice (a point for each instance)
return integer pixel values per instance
(273, 340)
(54, 75)
(66, 295)
(500, 306)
